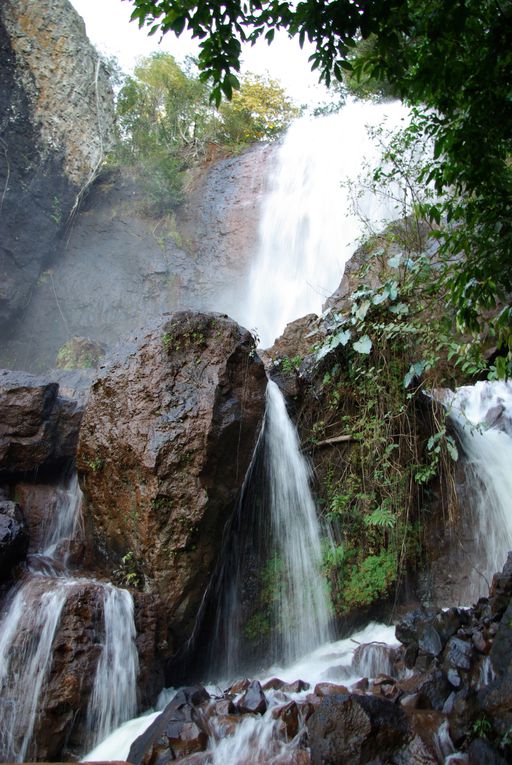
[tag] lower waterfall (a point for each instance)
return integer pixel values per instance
(482, 417)
(28, 627)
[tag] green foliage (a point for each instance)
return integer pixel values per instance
(453, 62)
(79, 353)
(258, 111)
(128, 573)
(166, 124)
(370, 580)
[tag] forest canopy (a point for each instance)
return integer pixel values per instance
(452, 61)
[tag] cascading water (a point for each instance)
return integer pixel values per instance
(482, 416)
(307, 227)
(28, 628)
(114, 696)
(301, 610)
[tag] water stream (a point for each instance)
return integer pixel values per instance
(28, 628)
(309, 227)
(482, 417)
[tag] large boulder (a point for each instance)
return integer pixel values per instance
(38, 428)
(57, 122)
(166, 439)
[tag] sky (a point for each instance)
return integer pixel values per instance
(110, 30)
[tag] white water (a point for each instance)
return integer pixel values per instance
(26, 638)
(301, 608)
(482, 415)
(28, 628)
(114, 696)
(254, 736)
(308, 228)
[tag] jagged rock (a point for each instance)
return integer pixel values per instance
(166, 439)
(274, 684)
(355, 730)
(458, 653)
(289, 715)
(432, 688)
(58, 117)
(372, 659)
(38, 428)
(296, 687)
(418, 628)
(501, 588)
(13, 537)
(253, 701)
(179, 731)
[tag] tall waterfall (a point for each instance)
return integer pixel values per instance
(28, 628)
(482, 415)
(308, 228)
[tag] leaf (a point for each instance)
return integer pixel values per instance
(400, 308)
(416, 370)
(362, 310)
(394, 262)
(452, 448)
(363, 345)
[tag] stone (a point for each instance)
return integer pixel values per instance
(253, 701)
(240, 686)
(274, 684)
(352, 730)
(38, 428)
(59, 119)
(296, 687)
(13, 537)
(327, 689)
(167, 436)
(293, 757)
(458, 653)
(289, 714)
(480, 752)
(179, 731)
(417, 627)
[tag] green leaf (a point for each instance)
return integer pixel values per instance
(363, 345)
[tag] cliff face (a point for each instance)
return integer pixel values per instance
(56, 118)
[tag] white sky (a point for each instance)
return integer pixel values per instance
(110, 30)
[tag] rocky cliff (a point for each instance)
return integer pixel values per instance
(56, 121)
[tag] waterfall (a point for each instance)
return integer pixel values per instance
(482, 416)
(26, 637)
(272, 547)
(301, 611)
(29, 625)
(114, 697)
(308, 227)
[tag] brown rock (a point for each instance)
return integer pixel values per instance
(289, 714)
(253, 701)
(296, 687)
(167, 437)
(274, 684)
(37, 427)
(327, 689)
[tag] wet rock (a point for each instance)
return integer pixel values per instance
(432, 688)
(328, 689)
(274, 684)
(458, 653)
(225, 725)
(166, 439)
(360, 685)
(372, 659)
(448, 621)
(38, 428)
(180, 730)
(253, 701)
(479, 641)
(240, 686)
(410, 655)
(418, 627)
(415, 753)
(13, 537)
(293, 757)
(222, 707)
(410, 700)
(356, 730)
(296, 687)
(480, 752)
(289, 714)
